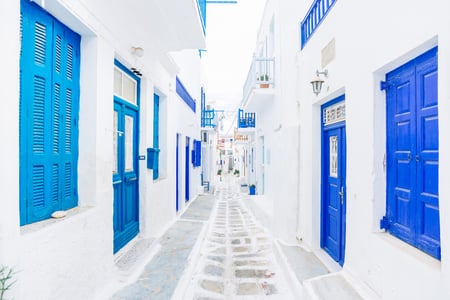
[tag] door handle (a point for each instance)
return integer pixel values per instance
(131, 179)
(341, 195)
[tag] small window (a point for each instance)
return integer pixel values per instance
(125, 87)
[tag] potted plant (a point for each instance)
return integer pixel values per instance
(252, 189)
(6, 275)
(264, 78)
(219, 172)
(236, 172)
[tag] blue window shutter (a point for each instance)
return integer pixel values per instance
(412, 210)
(198, 153)
(49, 96)
(156, 134)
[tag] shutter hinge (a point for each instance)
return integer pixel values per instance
(384, 85)
(385, 223)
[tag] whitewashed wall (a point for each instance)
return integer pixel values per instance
(73, 258)
(370, 41)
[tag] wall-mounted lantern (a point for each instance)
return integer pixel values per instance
(317, 82)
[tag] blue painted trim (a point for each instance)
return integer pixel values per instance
(184, 94)
(314, 17)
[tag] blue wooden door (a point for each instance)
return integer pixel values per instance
(177, 170)
(413, 152)
(333, 189)
(125, 166)
(187, 170)
(156, 133)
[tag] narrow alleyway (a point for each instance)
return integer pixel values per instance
(236, 258)
(219, 249)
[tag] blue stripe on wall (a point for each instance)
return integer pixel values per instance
(184, 94)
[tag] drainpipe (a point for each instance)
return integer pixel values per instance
(298, 235)
(298, 229)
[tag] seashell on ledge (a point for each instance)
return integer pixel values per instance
(59, 214)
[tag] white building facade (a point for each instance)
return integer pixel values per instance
(94, 90)
(363, 162)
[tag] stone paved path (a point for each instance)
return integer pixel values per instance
(236, 259)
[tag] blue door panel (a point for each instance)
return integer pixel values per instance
(333, 188)
(126, 172)
(413, 153)
(332, 201)
(187, 169)
(156, 133)
(428, 233)
(177, 171)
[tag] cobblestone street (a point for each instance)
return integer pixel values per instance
(236, 258)
(220, 248)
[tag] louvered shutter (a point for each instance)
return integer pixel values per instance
(48, 112)
(66, 95)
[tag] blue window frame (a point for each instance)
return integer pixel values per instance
(412, 154)
(49, 104)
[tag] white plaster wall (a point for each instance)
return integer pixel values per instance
(73, 258)
(369, 44)
(9, 151)
(279, 121)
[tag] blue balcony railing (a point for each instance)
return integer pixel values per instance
(260, 75)
(208, 119)
(246, 119)
(317, 12)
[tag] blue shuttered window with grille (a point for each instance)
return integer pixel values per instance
(49, 100)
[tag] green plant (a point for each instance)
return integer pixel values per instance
(6, 275)
(264, 77)
(236, 172)
(219, 172)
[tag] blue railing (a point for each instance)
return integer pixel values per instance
(246, 120)
(260, 75)
(317, 12)
(208, 118)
